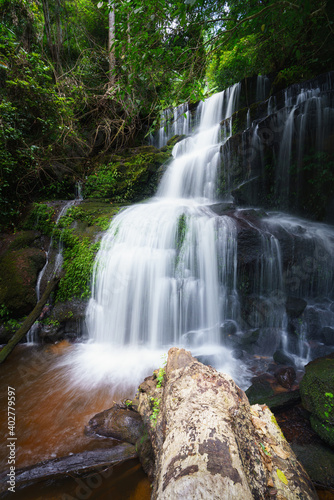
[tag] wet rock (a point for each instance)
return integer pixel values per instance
(317, 392)
(50, 333)
(117, 422)
(318, 460)
(285, 376)
(312, 317)
(327, 335)
(68, 317)
(295, 306)
(282, 358)
(249, 337)
(238, 353)
(18, 275)
(229, 327)
(318, 351)
(261, 390)
(249, 245)
(222, 208)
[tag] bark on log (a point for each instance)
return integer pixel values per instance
(77, 465)
(30, 320)
(209, 442)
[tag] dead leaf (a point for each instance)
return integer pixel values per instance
(269, 466)
(259, 424)
(280, 452)
(270, 483)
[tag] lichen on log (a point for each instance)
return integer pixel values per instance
(208, 441)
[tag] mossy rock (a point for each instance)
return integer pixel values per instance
(130, 176)
(317, 392)
(24, 239)
(18, 275)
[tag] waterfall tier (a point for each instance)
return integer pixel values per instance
(188, 268)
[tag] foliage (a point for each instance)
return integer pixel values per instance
(78, 263)
(61, 105)
(155, 404)
(41, 218)
(160, 377)
(257, 37)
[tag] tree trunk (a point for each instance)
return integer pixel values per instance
(209, 442)
(111, 41)
(54, 42)
(29, 321)
(84, 464)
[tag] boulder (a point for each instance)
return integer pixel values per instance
(295, 306)
(317, 392)
(282, 358)
(118, 422)
(285, 376)
(19, 269)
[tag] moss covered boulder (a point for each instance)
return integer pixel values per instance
(130, 176)
(317, 392)
(20, 264)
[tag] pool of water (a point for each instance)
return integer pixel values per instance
(51, 412)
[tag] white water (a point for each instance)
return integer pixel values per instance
(166, 270)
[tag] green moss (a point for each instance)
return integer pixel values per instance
(23, 239)
(317, 388)
(323, 429)
(41, 218)
(78, 231)
(78, 264)
(131, 176)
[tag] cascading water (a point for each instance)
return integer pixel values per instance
(58, 260)
(166, 270)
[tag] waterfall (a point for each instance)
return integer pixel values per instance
(188, 268)
(262, 87)
(166, 270)
(58, 261)
(172, 122)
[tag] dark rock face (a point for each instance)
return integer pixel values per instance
(118, 423)
(65, 321)
(282, 358)
(251, 168)
(295, 306)
(326, 335)
(19, 268)
(317, 392)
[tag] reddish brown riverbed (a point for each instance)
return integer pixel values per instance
(50, 418)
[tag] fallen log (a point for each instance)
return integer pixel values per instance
(208, 442)
(77, 465)
(30, 320)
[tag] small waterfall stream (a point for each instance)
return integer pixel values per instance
(58, 260)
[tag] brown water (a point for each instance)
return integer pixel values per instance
(50, 417)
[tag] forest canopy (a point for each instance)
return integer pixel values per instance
(82, 78)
